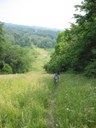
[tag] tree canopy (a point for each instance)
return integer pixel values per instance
(27, 36)
(76, 47)
(13, 58)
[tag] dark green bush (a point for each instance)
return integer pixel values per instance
(90, 69)
(7, 69)
(76, 47)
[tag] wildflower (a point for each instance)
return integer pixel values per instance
(56, 125)
(67, 109)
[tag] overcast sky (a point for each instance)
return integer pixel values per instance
(46, 13)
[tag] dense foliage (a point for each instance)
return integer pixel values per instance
(13, 58)
(76, 47)
(27, 36)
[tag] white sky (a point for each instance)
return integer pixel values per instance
(46, 13)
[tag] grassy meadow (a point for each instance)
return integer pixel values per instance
(75, 102)
(32, 100)
(43, 56)
(23, 100)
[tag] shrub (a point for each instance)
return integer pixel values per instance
(90, 69)
(7, 69)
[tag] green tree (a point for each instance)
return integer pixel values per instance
(76, 47)
(13, 58)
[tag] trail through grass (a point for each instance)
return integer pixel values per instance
(24, 97)
(31, 100)
(42, 58)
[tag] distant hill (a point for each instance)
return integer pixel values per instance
(32, 27)
(31, 35)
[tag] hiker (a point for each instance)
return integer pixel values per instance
(56, 78)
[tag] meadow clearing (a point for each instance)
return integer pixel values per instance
(31, 100)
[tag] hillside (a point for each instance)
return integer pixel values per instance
(31, 100)
(28, 35)
(17, 50)
(29, 55)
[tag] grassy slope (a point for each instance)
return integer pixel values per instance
(32, 101)
(42, 58)
(23, 100)
(24, 97)
(75, 102)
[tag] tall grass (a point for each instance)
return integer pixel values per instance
(26, 99)
(75, 100)
(23, 100)
(42, 58)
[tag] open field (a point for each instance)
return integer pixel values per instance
(75, 102)
(32, 100)
(42, 58)
(23, 100)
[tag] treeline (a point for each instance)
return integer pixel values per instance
(17, 46)
(13, 57)
(27, 36)
(76, 47)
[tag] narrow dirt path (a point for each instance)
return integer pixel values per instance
(51, 109)
(43, 57)
(51, 120)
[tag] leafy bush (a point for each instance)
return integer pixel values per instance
(90, 69)
(7, 69)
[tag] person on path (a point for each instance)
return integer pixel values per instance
(56, 78)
